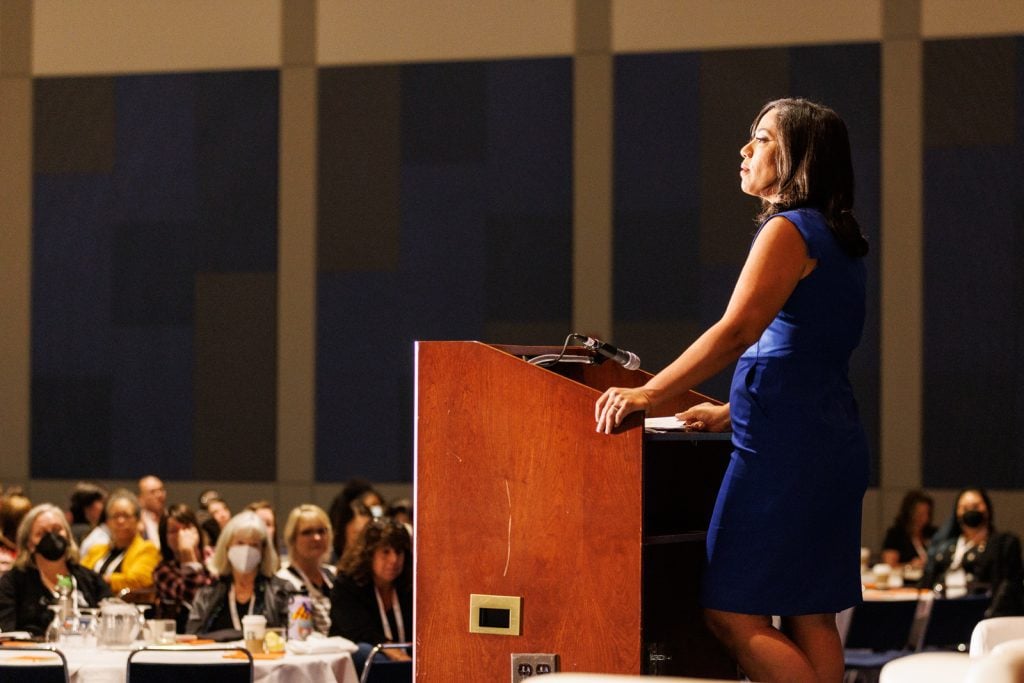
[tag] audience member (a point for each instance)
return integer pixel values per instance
(401, 510)
(13, 508)
(128, 561)
(265, 510)
(968, 554)
(906, 541)
(203, 511)
(46, 550)
(219, 515)
(85, 508)
(244, 561)
(307, 533)
(372, 597)
(350, 510)
(182, 572)
(153, 503)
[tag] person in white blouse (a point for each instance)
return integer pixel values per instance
(308, 535)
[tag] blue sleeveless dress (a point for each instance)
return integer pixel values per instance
(784, 538)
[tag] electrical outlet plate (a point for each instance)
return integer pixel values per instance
(528, 665)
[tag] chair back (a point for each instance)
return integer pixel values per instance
(174, 664)
(881, 625)
(386, 671)
(991, 632)
(33, 665)
(951, 622)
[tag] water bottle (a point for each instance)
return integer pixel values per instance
(300, 616)
(65, 615)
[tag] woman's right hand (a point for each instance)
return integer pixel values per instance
(706, 417)
(188, 544)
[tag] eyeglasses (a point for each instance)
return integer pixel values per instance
(318, 531)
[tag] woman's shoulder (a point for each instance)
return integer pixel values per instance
(1004, 539)
(140, 545)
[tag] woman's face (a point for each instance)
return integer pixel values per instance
(758, 173)
(220, 512)
(922, 515)
(267, 515)
(173, 527)
(123, 522)
(971, 500)
(310, 539)
(44, 523)
(387, 564)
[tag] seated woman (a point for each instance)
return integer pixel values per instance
(906, 541)
(182, 571)
(969, 555)
(307, 532)
(46, 550)
(245, 562)
(13, 508)
(128, 561)
(372, 599)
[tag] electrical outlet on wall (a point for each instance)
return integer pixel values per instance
(528, 665)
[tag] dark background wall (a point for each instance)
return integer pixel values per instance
(445, 213)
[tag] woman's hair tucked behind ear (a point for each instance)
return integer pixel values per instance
(814, 168)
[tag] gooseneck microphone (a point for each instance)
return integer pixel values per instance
(626, 359)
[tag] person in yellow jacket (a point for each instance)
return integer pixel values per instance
(128, 560)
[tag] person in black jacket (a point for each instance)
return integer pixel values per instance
(371, 601)
(46, 550)
(245, 561)
(968, 555)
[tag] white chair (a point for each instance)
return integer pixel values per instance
(933, 667)
(1015, 645)
(991, 632)
(1004, 665)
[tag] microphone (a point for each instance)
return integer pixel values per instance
(626, 359)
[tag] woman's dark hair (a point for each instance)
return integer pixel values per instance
(951, 527)
(183, 515)
(814, 168)
(383, 532)
(82, 496)
(911, 501)
(341, 511)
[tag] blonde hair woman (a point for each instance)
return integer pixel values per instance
(308, 535)
(244, 560)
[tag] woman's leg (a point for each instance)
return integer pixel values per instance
(818, 637)
(762, 651)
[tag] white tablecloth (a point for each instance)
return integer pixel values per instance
(99, 665)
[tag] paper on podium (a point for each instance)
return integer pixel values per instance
(664, 424)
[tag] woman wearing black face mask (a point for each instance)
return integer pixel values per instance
(968, 554)
(45, 551)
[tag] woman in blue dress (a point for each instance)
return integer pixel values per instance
(784, 538)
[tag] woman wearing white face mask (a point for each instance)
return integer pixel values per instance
(245, 562)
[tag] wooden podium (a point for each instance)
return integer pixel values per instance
(600, 537)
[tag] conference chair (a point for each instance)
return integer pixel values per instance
(952, 621)
(879, 633)
(927, 667)
(386, 671)
(173, 664)
(990, 633)
(33, 665)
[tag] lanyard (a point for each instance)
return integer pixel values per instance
(397, 609)
(235, 621)
(962, 546)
